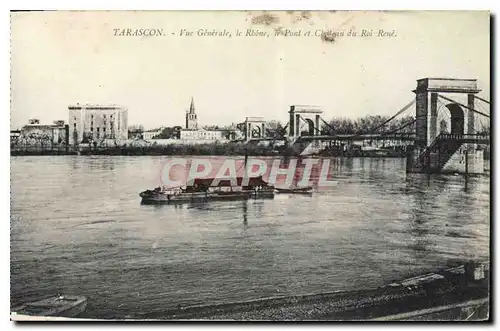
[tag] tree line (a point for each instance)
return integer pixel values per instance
(344, 125)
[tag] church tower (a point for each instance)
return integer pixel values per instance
(191, 118)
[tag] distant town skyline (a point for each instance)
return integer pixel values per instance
(64, 59)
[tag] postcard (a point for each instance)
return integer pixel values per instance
(250, 165)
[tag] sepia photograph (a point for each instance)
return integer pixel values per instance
(250, 166)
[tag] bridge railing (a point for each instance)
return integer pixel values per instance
(369, 136)
(461, 137)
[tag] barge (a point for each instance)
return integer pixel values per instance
(210, 189)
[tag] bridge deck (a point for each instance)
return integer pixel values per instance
(350, 137)
(464, 138)
(360, 137)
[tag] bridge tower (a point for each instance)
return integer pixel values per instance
(254, 128)
(304, 121)
(461, 120)
(304, 114)
(445, 127)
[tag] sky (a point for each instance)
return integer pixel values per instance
(64, 58)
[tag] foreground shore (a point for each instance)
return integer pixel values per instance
(460, 293)
(453, 294)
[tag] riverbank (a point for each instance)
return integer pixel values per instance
(230, 149)
(460, 293)
(456, 294)
(181, 150)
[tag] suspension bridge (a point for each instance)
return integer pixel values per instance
(446, 133)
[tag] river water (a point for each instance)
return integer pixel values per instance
(77, 227)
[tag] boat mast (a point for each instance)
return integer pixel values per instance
(245, 162)
(296, 173)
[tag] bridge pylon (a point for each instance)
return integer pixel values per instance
(255, 128)
(304, 120)
(308, 114)
(445, 127)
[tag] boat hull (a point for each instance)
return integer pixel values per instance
(204, 197)
(66, 306)
(301, 190)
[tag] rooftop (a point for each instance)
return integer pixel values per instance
(255, 119)
(95, 106)
(451, 85)
(307, 109)
(43, 125)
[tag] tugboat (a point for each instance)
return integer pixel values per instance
(204, 189)
(60, 306)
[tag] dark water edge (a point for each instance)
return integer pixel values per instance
(229, 149)
(155, 153)
(210, 149)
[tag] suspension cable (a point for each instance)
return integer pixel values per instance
(483, 100)
(381, 125)
(398, 129)
(458, 103)
(286, 127)
(317, 130)
(327, 124)
(390, 119)
(394, 116)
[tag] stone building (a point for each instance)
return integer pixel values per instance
(192, 131)
(152, 134)
(49, 134)
(202, 135)
(97, 122)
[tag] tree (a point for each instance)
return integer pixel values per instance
(87, 137)
(170, 133)
(210, 127)
(339, 126)
(274, 129)
(368, 124)
(403, 125)
(371, 124)
(242, 127)
(135, 131)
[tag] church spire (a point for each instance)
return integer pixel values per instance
(191, 118)
(191, 107)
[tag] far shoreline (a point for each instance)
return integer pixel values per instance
(50, 153)
(210, 149)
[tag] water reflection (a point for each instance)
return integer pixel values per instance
(419, 222)
(245, 214)
(442, 207)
